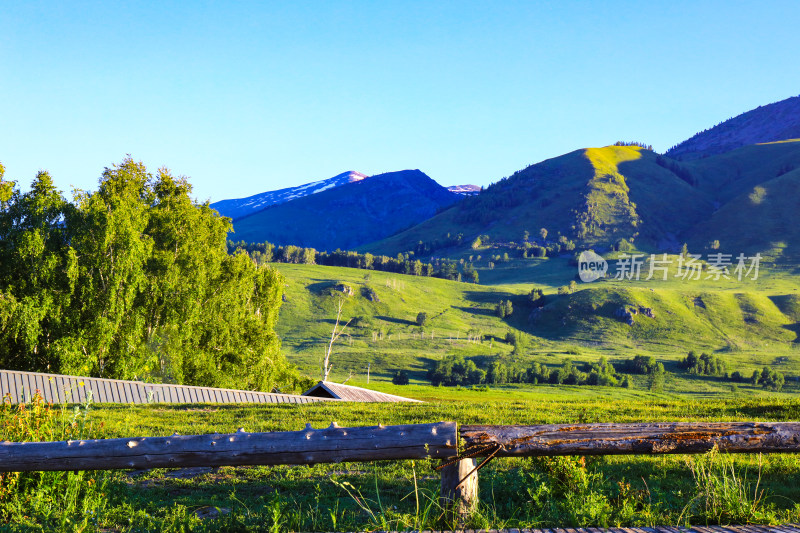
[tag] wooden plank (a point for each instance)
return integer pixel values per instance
(63, 389)
(461, 501)
(122, 396)
(633, 438)
(308, 446)
(129, 392)
(30, 386)
(135, 392)
(12, 387)
(27, 391)
(108, 396)
(4, 386)
(80, 388)
(140, 394)
(116, 392)
(12, 384)
(50, 381)
(135, 389)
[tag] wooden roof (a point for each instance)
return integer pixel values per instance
(20, 387)
(337, 391)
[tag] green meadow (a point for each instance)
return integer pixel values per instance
(749, 323)
(403, 495)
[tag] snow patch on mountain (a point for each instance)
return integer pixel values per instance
(242, 207)
(464, 190)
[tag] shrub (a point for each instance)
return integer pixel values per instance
(455, 370)
(704, 365)
(400, 377)
(422, 318)
(643, 364)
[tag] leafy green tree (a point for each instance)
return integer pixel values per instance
(134, 281)
(400, 377)
(497, 373)
(455, 370)
(422, 318)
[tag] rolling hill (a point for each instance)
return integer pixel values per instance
(597, 196)
(749, 326)
(349, 215)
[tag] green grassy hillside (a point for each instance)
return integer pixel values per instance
(596, 196)
(762, 219)
(748, 325)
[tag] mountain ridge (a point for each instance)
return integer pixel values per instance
(778, 121)
(349, 215)
(241, 207)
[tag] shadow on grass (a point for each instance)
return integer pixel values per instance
(394, 320)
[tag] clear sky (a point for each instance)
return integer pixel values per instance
(245, 97)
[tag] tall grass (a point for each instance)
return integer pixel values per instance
(723, 494)
(53, 500)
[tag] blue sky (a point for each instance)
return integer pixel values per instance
(247, 97)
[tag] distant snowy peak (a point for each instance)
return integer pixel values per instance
(464, 190)
(242, 207)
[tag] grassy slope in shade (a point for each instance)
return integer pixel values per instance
(350, 215)
(763, 219)
(750, 325)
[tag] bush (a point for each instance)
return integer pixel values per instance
(504, 308)
(400, 377)
(643, 364)
(704, 365)
(422, 318)
(769, 379)
(455, 370)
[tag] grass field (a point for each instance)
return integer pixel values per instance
(605, 491)
(750, 323)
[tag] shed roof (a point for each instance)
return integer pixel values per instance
(56, 388)
(327, 389)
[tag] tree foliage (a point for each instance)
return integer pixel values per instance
(133, 281)
(704, 364)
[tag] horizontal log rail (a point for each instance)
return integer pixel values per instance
(633, 438)
(459, 482)
(308, 446)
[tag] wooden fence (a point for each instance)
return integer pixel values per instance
(459, 482)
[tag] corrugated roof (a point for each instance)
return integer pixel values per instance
(352, 394)
(56, 388)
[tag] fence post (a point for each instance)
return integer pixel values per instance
(463, 500)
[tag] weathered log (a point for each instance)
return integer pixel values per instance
(309, 446)
(633, 438)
